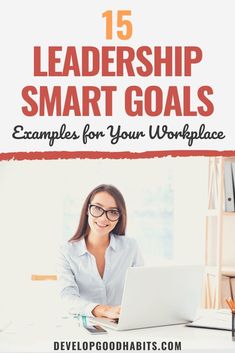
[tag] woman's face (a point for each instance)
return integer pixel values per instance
(102, 225)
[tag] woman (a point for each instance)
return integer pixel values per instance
(93, 264)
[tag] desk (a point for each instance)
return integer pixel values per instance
(39, 336)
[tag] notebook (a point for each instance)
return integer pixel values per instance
(214, 319)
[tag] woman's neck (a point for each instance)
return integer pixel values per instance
(94, 241)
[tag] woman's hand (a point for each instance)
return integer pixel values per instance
(111, 312)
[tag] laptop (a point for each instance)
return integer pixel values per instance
(158, 296)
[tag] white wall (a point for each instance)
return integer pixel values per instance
(190, 194)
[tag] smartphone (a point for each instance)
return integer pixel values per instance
(95, 329)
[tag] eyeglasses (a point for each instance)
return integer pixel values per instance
(97, 211)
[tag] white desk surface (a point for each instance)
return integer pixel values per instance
(37, 334)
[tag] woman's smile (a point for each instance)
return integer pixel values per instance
(100, 225)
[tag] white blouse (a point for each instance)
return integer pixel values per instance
(81, 285)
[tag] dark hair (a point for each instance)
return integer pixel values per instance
(120, 227)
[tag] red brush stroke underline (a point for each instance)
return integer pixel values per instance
(19, 156)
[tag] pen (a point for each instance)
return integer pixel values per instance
(231, 305)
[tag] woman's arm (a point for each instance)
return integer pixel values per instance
(69, 291)
(137, 258)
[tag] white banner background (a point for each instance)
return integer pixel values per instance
(206, 24)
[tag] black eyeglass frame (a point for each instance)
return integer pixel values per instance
(104, 211)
